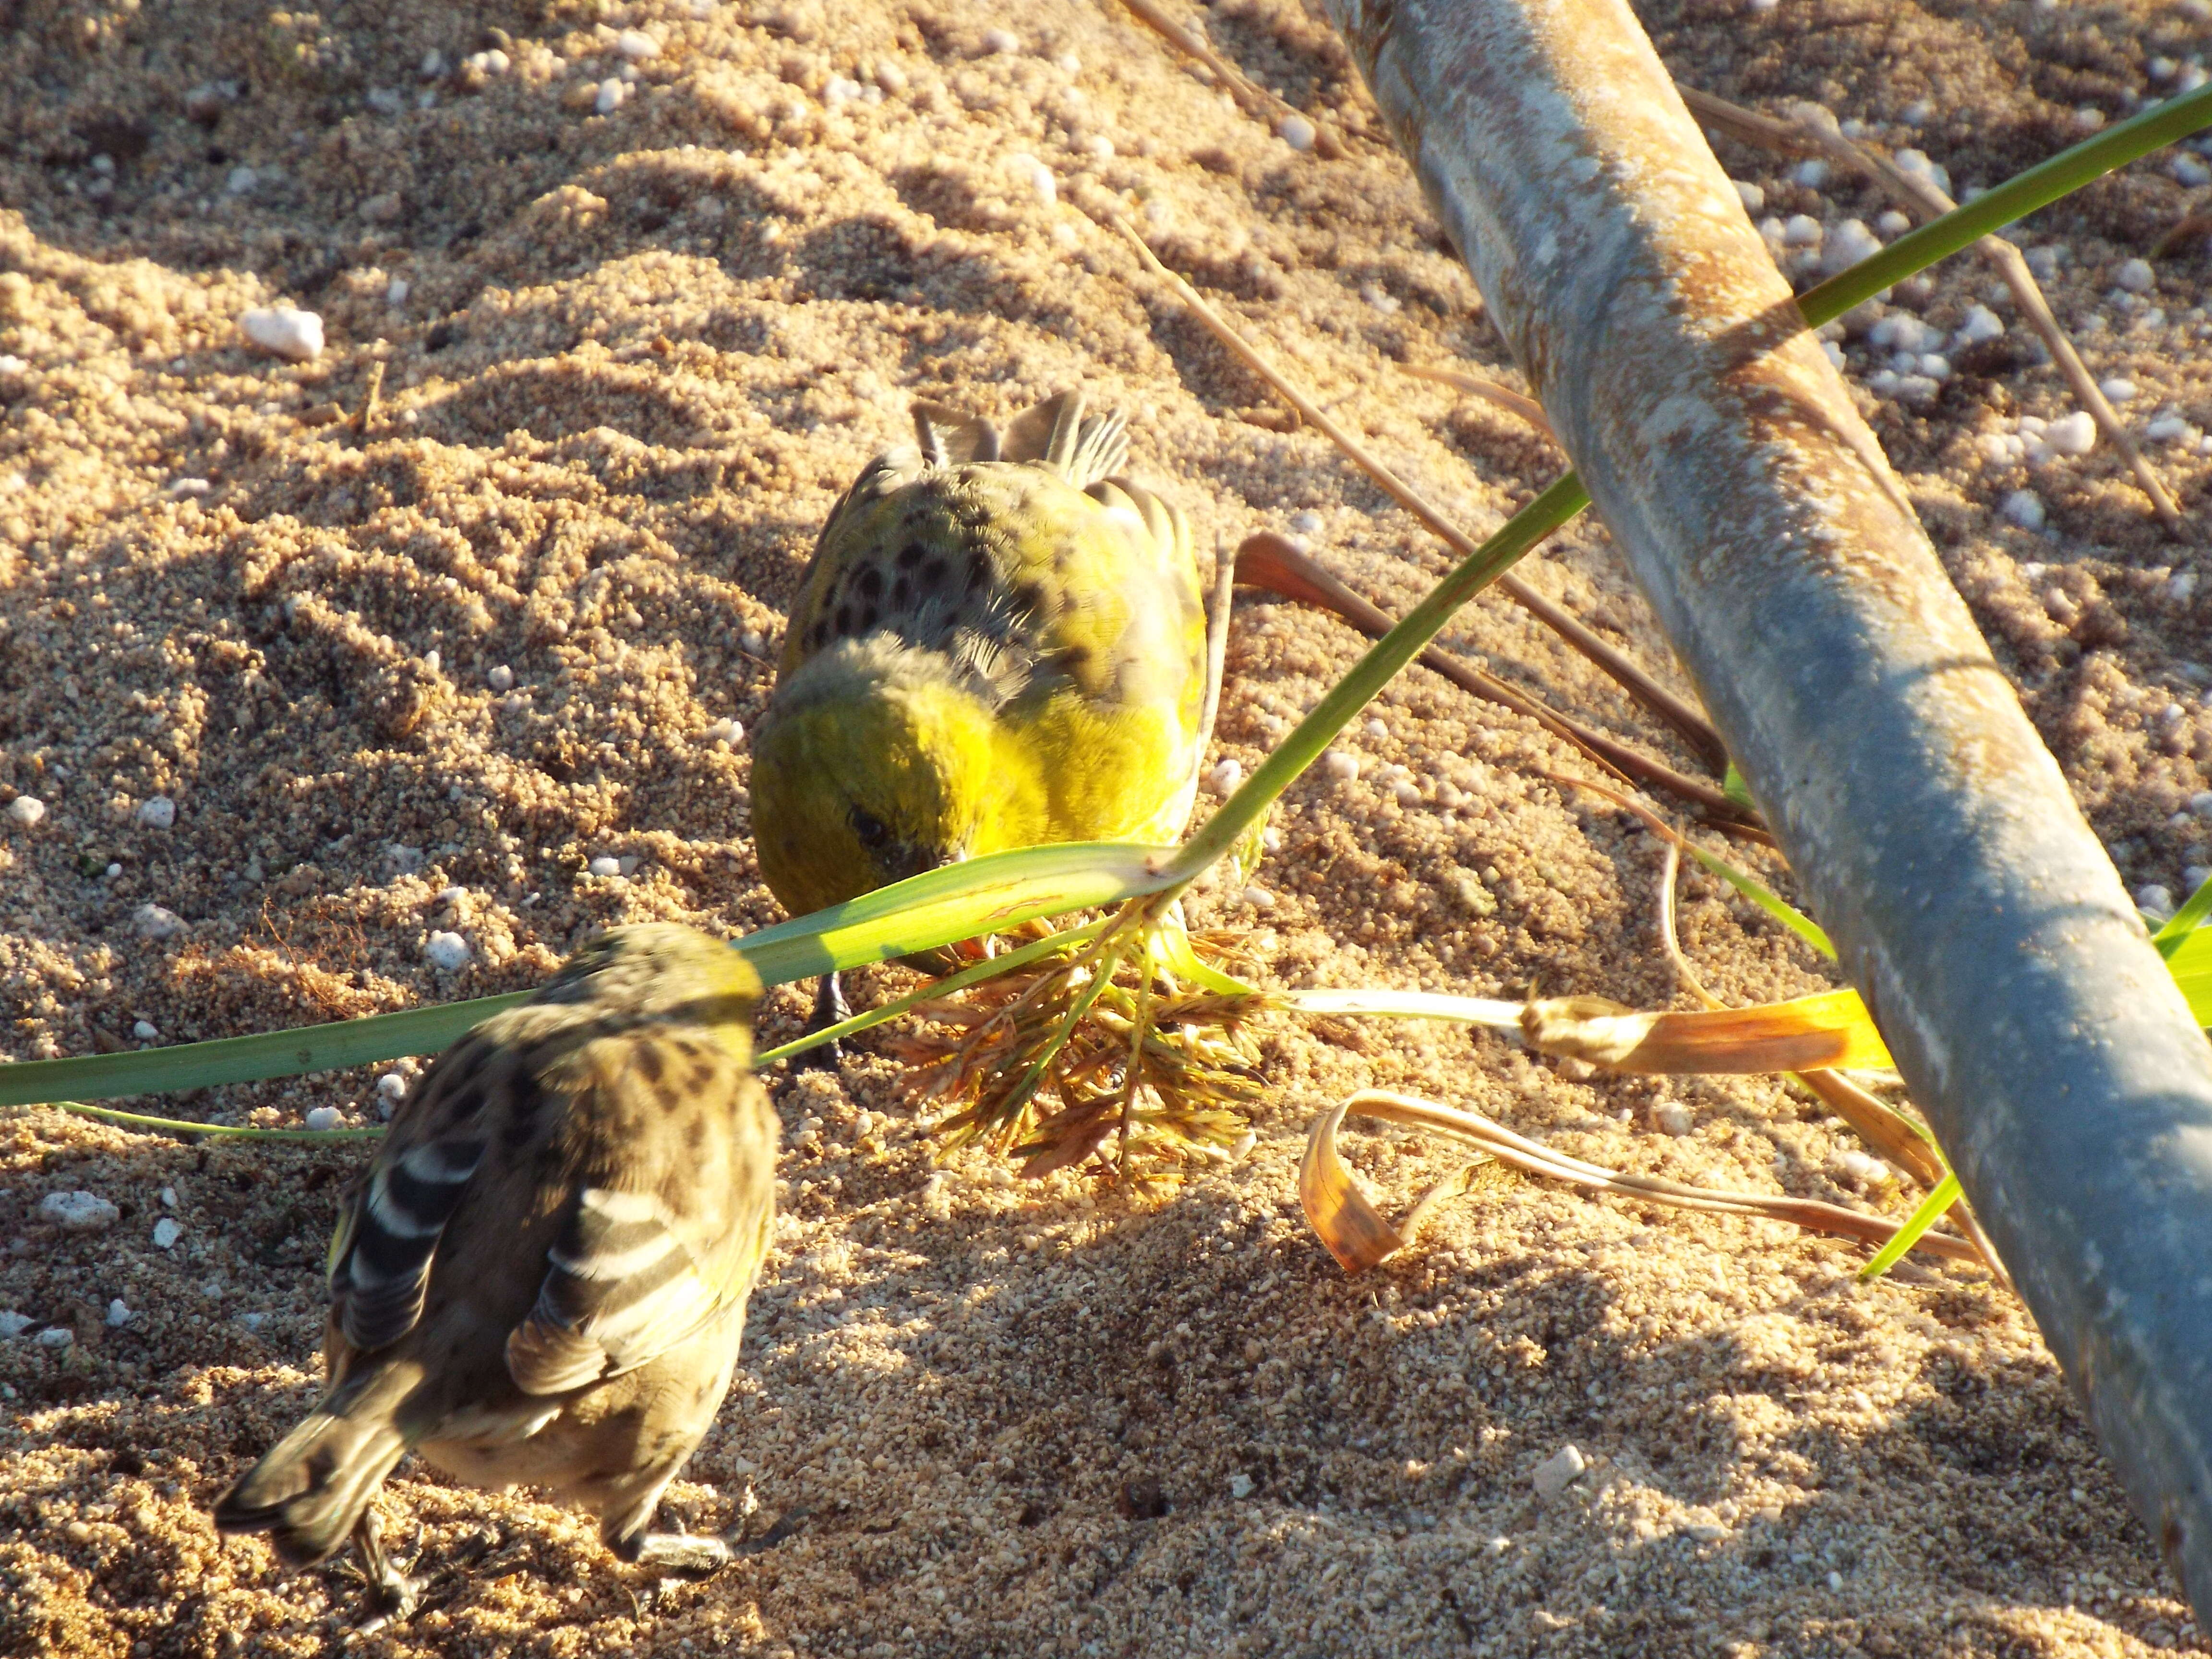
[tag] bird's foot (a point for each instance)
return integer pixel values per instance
(830, 1008)
(392, 1592)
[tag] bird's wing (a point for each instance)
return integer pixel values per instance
(671, 1218)
(379, 1260)
(1082, 449)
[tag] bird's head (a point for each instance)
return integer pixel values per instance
(867, 770)
(660, 969)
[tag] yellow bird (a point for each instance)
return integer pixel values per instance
(542, 1277)
(998, 644)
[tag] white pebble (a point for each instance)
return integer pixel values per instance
(500, 678)
(285, 331)
(1559, 1471)
(1902, 332)
(1378, 732)
(1850, 242)
(2188, 170)
(1893, 223)
(392, 1087)
(119, 1314)
(1916, 163)
(168, 1198)
(158, 813)
(2155, 899)
(1761, 5)
(1341, 765)
(1754, 197)
(1034, 173)
(727, 731)
(2165, 428)
(1673, 1118)
(1812, 174)
(1224, 778)
(1982, 324)
(239, 180)
(1935, 366)
(1296, 132)
(636, 46)
(113, 870)
(837, 92)
(610, 96)
(79, 1213)
(1863, 1170)
(26, 810)
(1240, 1485)
(1406, 793)
(2135, 276)
(1000, 41)
(1306, 523)
(179, 488)
(155, 921)
(322, 1118)
(2088, 118)
(145, 1030)
(396, 290)
(2179, 590)
(2194, 876)
(2072, 434)
(604, 865)
(448, 950)
(56, 1336)
(14, 1324)
(1801, 230)
(166, 1232)
(2117, 390)
(1259, 897)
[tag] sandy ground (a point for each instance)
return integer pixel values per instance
(413, 674)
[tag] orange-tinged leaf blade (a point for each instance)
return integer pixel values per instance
(1336, 1209)
(1828, 1032)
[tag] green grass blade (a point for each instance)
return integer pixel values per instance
(1775, 906)
(1734, 787)
(1491, 1012)
(937, 987)
(2018, 197)
(1932, 1209)
(227, 1131)
(2184, 921)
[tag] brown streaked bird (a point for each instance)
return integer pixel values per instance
(541, 1280)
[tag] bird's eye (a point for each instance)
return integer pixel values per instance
(875, 835)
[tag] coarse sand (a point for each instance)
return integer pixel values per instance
(646, 284)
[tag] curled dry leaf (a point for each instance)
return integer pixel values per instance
(1359, 1235)
(1814, 1033)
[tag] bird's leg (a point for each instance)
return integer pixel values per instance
(829, 1008)
(392, 1589)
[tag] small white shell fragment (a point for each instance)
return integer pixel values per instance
(26, 810)
(837, 92)
(168, 1198)
(79, 1213)
(1812, 174)
(1224, 778)
(2116, 389)
(392, 1087)
(1754, 197)
(1850, 242)
(1306, 523)
(727, 731)
(145, 1030)
(155, 921)
(324, 1118)
(999, 42)
(1981, 323)
(2154, 898)
(1801, 230)
(1559, 1471)
(1296, 132)
(1259, 897)
(1406, 793)
(1035, 175)
(500, 678)
(609, 98)
(119, 1314)
(396, 290)
(636, 46)
(2072, 434)
(604, 865)
(1340, 766)
(284, 331)
(56, 1336)
(1673, 1118)
(2025, 508)
(158, 813)
(2165, 428)
(448, 950)
(1240, 1485)
(166, 1232)
(2135, 276)
(14, 1324)
(1377, 730)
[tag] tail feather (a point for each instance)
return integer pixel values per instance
(1083, 448)
(308, 1491)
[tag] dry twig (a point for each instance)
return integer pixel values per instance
(1256, 98)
